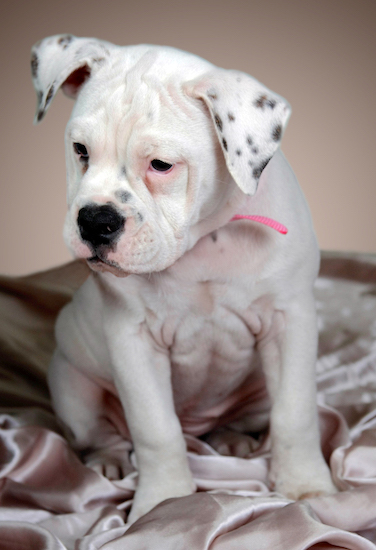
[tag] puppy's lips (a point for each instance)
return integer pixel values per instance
(98, 264)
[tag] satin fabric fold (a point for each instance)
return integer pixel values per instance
(50, 500)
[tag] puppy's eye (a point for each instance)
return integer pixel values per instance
(160, 165)
(81, 150)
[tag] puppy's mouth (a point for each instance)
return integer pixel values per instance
(98, 264)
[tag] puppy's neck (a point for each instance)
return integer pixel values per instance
(236, 202)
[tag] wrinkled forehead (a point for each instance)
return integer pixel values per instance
(120, 103)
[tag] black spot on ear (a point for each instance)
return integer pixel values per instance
(122, 195)
(65, 40)
(238, 152)
(224, 142)
(40, 115)
(255, 150)
(249, 141)
(50, 94)
(260, 101)
(34, 65)
(277, 133)
(231, 117)
(259, 169)
(263, 101)
(218, 122)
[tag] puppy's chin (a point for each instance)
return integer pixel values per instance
(98, 265)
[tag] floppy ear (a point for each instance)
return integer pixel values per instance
(64, 61)
(249, 120)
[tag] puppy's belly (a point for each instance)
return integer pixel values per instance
(216, 373)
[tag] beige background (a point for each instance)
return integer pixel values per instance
(319, 54)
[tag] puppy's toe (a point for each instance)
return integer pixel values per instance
(230, 443)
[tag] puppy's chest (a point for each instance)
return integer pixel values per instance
(211, 302)
(210, 331)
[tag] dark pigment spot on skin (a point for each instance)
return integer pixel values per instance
(260, 102)
(263, 101)
(277, 133)
(123, 196)
(258, 170)
(224, 143)
(255, 150)
(238, 152)
(218, 122)
(34, 65)
(140, 217)
(50, 94)
(64, 41)
(123, 171)
(214, 236)
(231, 117)
(249, 140)
(84, 161)
(212, 95)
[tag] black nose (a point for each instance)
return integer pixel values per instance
(100, 225)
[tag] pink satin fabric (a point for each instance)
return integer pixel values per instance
(50, 500)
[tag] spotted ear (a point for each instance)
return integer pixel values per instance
(64, 61)
(249, 120)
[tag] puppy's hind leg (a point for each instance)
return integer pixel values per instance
(79, 405)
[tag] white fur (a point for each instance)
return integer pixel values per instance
(174, 317)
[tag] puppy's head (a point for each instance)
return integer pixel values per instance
(159, 147)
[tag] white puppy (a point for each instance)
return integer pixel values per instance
(185, 303)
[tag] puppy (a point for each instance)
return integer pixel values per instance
(203, 258)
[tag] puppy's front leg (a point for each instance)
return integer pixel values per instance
(143, 381)
(288, 353)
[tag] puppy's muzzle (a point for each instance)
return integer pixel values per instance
(100, 225)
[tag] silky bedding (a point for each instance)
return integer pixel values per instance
(50, 500)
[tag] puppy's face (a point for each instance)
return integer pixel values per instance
(143, 168)
(158, 145)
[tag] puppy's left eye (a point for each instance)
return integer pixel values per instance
(160, 165)
(81, 150)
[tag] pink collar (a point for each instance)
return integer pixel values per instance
(262, 219)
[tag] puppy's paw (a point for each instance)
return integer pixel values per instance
(301, 487)
(230, 443)
(149, 495)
